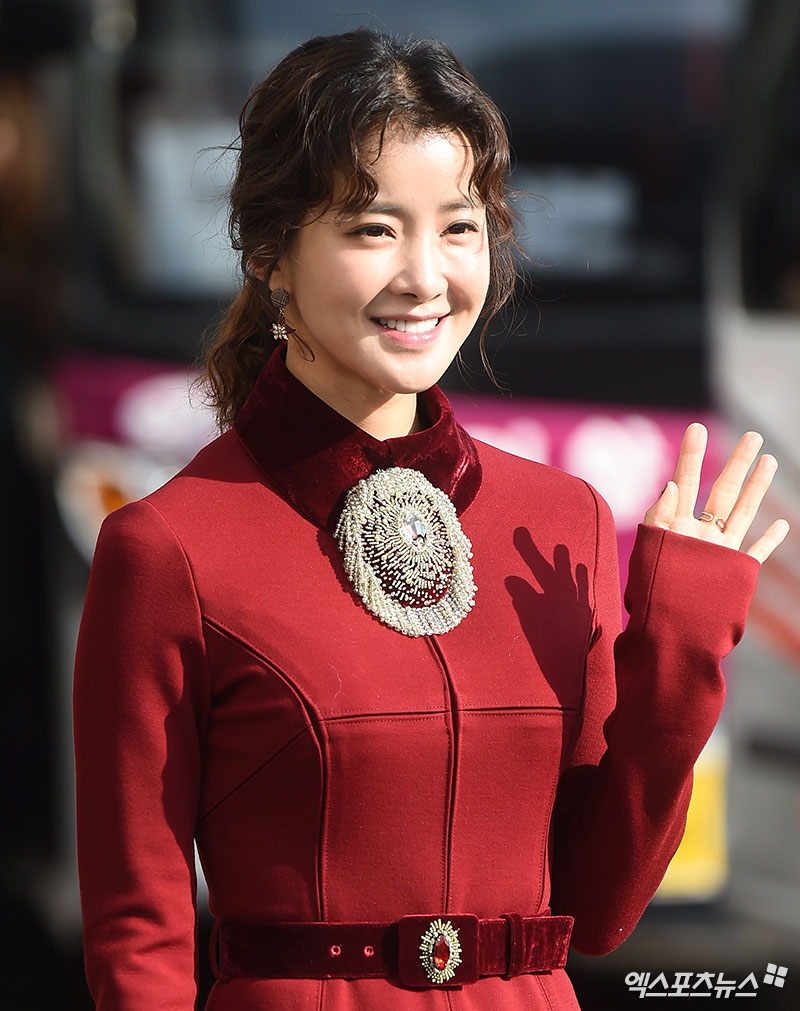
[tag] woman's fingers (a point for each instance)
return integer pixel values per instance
(689, 468)
(726, 489)
(769, 540)
(733, 501)
(746, 505)
(662, 513)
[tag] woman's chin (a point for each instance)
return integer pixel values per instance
(416, 371)
(413, 382)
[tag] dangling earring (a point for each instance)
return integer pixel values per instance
(280, 299)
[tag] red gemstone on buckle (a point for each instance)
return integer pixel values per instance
(441, 952)
(438, 950)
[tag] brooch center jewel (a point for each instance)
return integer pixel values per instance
(405, 553)
(440, 951)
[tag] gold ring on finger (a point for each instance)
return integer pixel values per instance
(707, 517)
(721, 523)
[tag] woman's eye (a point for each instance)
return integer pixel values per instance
(462, 227)
(372, 231)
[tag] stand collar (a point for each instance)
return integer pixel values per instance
(313, 456)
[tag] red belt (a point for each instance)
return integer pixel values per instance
(440, 950)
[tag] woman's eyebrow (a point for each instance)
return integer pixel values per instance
(459, 205)
(394, 209)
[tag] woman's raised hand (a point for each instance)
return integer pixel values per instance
(732, 503)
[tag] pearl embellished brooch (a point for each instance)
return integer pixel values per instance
(405, 553)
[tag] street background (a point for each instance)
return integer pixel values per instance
(657, 159)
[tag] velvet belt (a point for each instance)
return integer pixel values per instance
(440, 950)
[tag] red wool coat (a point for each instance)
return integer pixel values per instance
(231, 688)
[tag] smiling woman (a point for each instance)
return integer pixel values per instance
(384, 298)
(342, 142)
(372, 667)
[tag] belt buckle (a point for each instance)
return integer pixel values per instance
(440, 950)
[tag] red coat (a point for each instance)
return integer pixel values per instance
(230, 687)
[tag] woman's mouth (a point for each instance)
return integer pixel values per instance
(412, 327)
(409, 333)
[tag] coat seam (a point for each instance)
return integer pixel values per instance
(200, 617)
(317, 726)
(250, 776)
(580, 709)
(362, 717)
(454, 756)
(642, 632)
(544, 992)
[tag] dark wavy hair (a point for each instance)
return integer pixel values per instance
(302, 137)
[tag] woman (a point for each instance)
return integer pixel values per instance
(367, 663)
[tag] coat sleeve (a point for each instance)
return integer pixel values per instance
(652, 696)
(140, 699)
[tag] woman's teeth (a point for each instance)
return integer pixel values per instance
(412, 326)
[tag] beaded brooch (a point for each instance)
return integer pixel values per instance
(405, 553)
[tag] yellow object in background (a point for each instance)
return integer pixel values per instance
(699, 869)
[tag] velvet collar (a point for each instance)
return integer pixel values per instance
(313, 456)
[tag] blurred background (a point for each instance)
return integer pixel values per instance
(657, 148)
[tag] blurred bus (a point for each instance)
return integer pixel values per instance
(754, 273)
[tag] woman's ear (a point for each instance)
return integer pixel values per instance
(258, 268)
(279, 278)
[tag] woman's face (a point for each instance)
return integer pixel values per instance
(386, 297)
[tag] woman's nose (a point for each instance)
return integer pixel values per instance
(421, 270)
